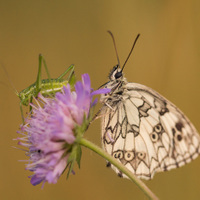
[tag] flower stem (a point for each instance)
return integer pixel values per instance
(120, 166)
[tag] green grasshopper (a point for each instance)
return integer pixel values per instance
(47, 87)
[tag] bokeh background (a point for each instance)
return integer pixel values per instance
(165, 58)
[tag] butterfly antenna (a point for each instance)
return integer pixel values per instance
(130, 51)
(114, 46)
(11, 83)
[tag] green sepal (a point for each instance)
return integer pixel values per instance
(78, 155)
(75, 156)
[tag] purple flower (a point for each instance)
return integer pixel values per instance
(50, 131)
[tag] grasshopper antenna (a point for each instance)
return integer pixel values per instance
(130, 51)
(8, 77)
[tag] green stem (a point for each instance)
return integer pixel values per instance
(120, 166)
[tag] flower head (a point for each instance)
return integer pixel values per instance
(50, 132)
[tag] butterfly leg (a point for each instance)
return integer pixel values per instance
(109, 106)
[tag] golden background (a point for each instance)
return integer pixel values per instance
(165, 58)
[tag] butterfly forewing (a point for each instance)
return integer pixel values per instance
(144, 131)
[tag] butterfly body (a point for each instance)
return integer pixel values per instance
(143, 130)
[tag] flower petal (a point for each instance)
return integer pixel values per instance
(101, 91)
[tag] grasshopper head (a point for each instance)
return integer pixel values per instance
(23, 98)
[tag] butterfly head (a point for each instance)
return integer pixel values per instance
(116, 73)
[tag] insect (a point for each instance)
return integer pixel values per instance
(142, 129)
(47, 87)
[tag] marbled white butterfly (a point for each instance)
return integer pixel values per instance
(142, 129)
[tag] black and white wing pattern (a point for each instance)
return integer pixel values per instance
(145, 131)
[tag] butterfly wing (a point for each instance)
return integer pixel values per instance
(146, 132)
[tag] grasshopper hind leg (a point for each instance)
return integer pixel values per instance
(71, 67)
(39, 75)
(71, 77)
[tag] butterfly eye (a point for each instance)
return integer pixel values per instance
(154, 137)
(141, 155)
(129, 155)
(118, 75)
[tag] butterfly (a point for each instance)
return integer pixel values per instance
(142, 129)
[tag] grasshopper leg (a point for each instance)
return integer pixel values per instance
(22, 114)
(71, 67)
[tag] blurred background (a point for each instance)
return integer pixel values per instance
(166, 58)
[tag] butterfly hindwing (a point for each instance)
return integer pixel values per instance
(145, 131)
